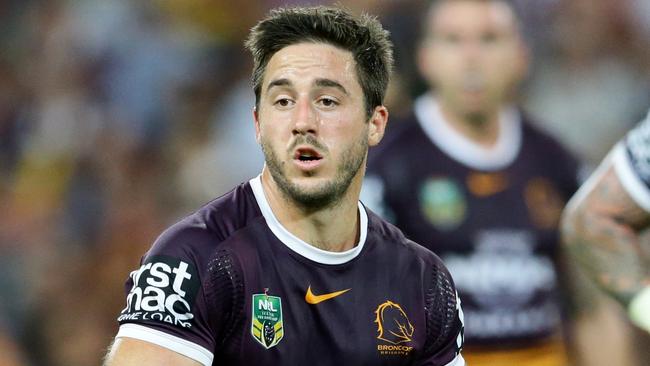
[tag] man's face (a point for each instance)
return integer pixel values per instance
(311, 123)
(472, 54)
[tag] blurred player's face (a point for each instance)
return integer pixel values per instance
(472, 54)
(312, 123)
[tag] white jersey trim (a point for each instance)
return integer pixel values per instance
(173, 343)
(634, 186)
(458, 361)
(300, 246)
(463, 150)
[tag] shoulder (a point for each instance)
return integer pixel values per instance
(394, 240)
(392, 163)
(200, 232)
(533, 136)
(398, 136)
(549, 156)
(442, 309)
(188, 285)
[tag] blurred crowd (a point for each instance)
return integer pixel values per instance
(119, 117)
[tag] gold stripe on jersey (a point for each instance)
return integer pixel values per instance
(550, 353)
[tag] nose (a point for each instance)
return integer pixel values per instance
(472, 51)
(304, 118)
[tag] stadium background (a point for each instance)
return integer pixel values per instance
(118, 117)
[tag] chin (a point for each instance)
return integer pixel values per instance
(473, 109)
(315, 192)
(310, 184)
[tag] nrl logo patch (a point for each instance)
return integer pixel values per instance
(266, 324)
(443, 203)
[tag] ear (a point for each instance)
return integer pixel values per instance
(256, 118)
(377, 125)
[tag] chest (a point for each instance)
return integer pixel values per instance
(297, 312)
(453, 205)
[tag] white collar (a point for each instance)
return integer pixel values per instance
(463, 150)
(298, 245)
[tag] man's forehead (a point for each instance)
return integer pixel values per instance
(310, 62)
(453, 13)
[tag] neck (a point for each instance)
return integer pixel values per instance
(480, 127)
(333, 228)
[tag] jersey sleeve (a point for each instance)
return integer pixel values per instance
(631, 159)
(181, 296)
(445, 328)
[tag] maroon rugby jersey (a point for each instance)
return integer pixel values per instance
(491, 215)
(229, 285)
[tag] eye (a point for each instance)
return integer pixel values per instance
(283, 102)
(328, 102)
(450, 39)
(489, 38)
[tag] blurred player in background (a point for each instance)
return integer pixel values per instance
(289, 268)
(470, 178)
(604, 222)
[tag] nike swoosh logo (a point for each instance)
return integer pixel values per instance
(315, 299)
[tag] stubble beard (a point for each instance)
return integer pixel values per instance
(323, 195)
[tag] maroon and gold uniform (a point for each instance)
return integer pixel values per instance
(490, 214)
(229, 285)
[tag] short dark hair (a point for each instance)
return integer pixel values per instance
(363, 36)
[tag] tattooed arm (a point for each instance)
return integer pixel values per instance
(601, 227)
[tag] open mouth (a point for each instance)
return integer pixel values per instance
(307, 154)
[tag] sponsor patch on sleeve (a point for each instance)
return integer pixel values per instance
(164, 290)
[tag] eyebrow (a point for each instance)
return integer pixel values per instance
(279, 82)
(329, 83)
(323, 83)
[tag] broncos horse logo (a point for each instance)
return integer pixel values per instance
(392, 323)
